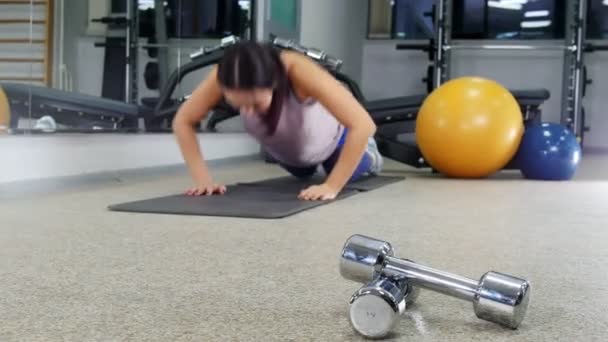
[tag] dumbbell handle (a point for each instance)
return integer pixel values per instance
(431, 279)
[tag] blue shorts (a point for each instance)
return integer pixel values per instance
(364, 168)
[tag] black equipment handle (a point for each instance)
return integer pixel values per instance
(111, 20)
(114, 45)
(412, 46)
(595, 47)
(319, 56)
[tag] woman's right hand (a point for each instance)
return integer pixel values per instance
(205, 97)
(206, 188)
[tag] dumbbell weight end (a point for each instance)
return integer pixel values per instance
(502, 299)
(376, 307)
(363, 258)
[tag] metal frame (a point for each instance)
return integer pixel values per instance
(572, 92)
(130, 21)
(443, 34)
(574, 47)
(131, 53)
(509, 47)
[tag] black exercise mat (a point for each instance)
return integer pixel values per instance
(269, 199)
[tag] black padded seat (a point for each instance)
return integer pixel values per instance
(68, 108)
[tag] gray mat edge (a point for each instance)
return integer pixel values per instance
(119, 207)
(389, 179)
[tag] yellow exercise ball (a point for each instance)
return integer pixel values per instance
(5, 112)
(470, 127)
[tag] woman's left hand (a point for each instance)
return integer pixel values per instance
(321, 192)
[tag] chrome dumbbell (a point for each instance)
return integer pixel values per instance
(496, 297)
(376, 307)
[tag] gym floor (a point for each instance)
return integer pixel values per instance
(72, 271)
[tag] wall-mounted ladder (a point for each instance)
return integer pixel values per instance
(26, 41)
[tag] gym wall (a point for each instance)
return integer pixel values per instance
(338, 27)
(389, 72)
(49, 156)
(517, 70)
(596, 100)
(73, 29)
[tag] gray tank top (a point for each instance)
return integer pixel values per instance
(306, 134)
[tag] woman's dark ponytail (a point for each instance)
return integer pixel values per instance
(250, 65)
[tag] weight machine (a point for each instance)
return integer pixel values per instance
(130, 24)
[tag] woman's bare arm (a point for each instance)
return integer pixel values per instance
(206, 96)
(313, 81)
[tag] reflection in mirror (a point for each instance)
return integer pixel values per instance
(190, 26)
(471, 19)
(500, 19)
(380, 19)
(597, 26)
(400, 19)
(101, 65)
(413, 19)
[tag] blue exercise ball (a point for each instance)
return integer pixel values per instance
(548, 151)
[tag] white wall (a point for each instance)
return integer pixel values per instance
(516, 70)
(338, 27)
(387, 72)
(596, 101)
(86, 65)
(259, 12)
(74, 25)
(47, 156)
